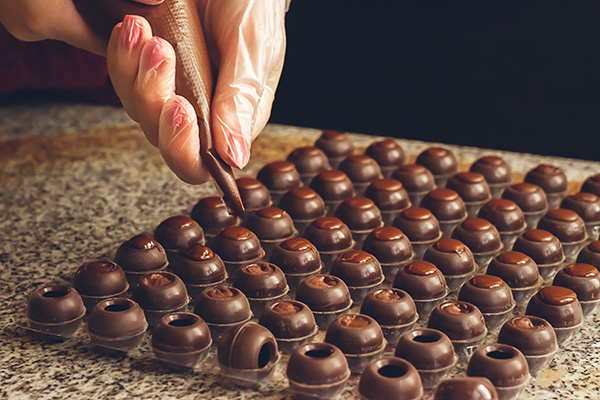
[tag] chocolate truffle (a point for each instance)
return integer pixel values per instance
(590, 254)
(416, 179)
(454, 259)
(447, 206)
(549, 177)
(329, 234)
(584, 280)
(309, 161)
(534, 337)
(271, 224)
(472, 388)
(586, 205)
(529, 197)
(254, 194)
(139, 255)
(390, 378)
(495, 170)
(279, 176)
(296, 256)
(559, 306)
(387, 152)
(388, 244)
(247, 353)
(479, 235)
(98, 280)
(470, 186)
(302, 204)
(441, 162)
(179, 232)
(419, 224)
(425, 284)
(199, 267)
(393, 309)
(181, 340)
(212, 214)
(333, 186)
(336, 145)
(317, 370)
(429, 351)
(237, 244)
(519, 271)
(326, 295)
(566, 225)
(117, 323)
(361, 216)
(491, 295)
(541, 245)
(361, 170)
(389, 196)
(291, 322)
(160, 293)
(359, 270)
(56, 310)
(592, 185)
(505, 215)
(462, 322)
(261, 281)
(359, 337)
(223, 305)
(502, 364)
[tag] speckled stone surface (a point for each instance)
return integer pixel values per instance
(78, 180)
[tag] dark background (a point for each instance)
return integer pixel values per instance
(516, 75)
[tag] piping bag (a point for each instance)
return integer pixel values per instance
(177, 22)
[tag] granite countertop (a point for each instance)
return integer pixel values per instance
(78, 180)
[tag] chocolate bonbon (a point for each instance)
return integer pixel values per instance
(262, 283)
(470, 387)
(492, 296)
(496, 172)
(298, 258)
(388, 154)
(222, 307)
(389, 196)
(590, 254)
(160, 293)
(361, 170)
(178, 232)
(544, 248)
(472, 188)
(425, 284)
(330, 236)
(140, 255)
(530, 198)
(454, 259)
(118, 323)
(199, 268)
(417, 181)
(336, 145)
(361, 215)
(334, 187)
(568, 227)
(254, 194)
(304, 205)
(309, 161)
(279, 177)
(360, 271)
(592, 185)
(447, 206)
(212, 215)
(390, 378)
(237, 246)
(326, 295)
(99, 280)
(391, 247)
(291, 322)
(271, 225)
(440, 161)
(584, 280)
(587, 206)
(55, 309)
(421, 227)
(552, 180)
(507, 217)
(520, 273)
(481, 237)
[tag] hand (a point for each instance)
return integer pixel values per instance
(246, 42)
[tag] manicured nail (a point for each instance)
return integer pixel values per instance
(131, 32)
(239, 150)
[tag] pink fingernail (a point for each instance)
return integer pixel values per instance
(239, 150)
(131, 32)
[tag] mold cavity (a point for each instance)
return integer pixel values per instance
(319, 353)
(182, 322)
(499, 355)
(117, 307)
(265, 355)
(56, 293)
(392, 371)
(426, 339)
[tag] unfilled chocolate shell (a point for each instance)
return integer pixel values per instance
(116, 318)
(426, 349)
(468, 388)
(390, 378)
(247, 346)
(181, 333)
(317, 364)
(54, 304)
(502, 364)
(179, 232)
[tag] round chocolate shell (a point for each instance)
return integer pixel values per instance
(478, 234)
(329, 234)
(236, 243)
(529, 197)
(422, 280)
(517, 269)
(470, 186)
(279, 176)
(549, 177)
(387, 153)
(355, 334)
(415, 178)
(335, 143)
(254, 194)
(418, 223)
(440, 161)
(212, 215)
(179, 232)
(388, 244)
(451, 256)
(493, 168)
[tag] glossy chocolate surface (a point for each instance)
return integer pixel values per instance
(488, 293)
(329, 234)
(317, 364)
(261, 280)
(387, 153)
(426, 349)
(279, 176)
(583, 279)
(212, 214)
(529, 197)
(179, 232)
(566, 225)
(223, 305)
(388, 194)
(390, 378)
(288, 319)
(271, 223)
(470, 186)
(517, 269)
(534, 336)
(557, 305)
(236, 243)
(541, 245)
(590, 254)
(181, 333)
(415, 178)
(355, 334)
(468, 388)
(359, 213)
(502, 364)
(592, 185)
(549, 177)
(418, 223)
(357, 268)
(422, 280)
(439, 161)
(457, 319)
(478, 234)
(335, 143)
(302, 204)
(199, 265)
(324, 293)
(586, 205)
(389, 307)
(117, 318)
(309, 160)
(451, 256)
(254, 194)
(360, 168)
(332, 185)
(141, 253)
(54, 304)
(100, 278)
(504, 214)
(160, 291)
(388, 244)
(247, 346)
(445, 204)
(493, 168)
(296, 256)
